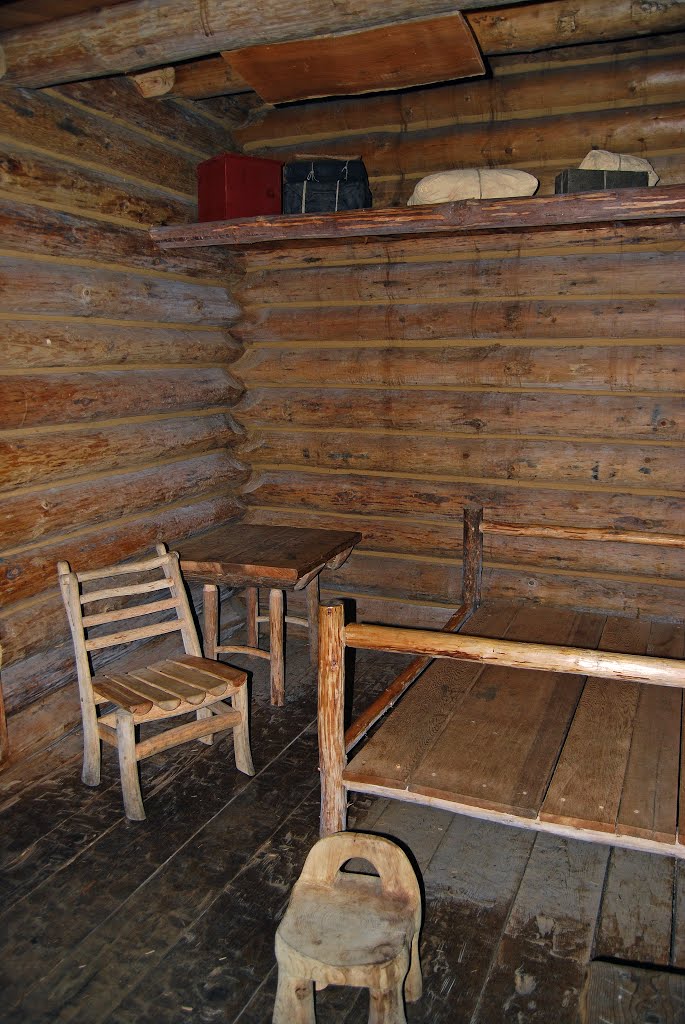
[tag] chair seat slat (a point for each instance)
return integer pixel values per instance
(154, 674)
(117, 691)
(147, 691)
(193, 676)
(206, 668)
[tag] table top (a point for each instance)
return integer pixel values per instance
(242, 554)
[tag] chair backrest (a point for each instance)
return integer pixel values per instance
(397, 876)
(152, 576)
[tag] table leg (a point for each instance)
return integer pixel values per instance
(210, 620)
(276, 647)
(312, 592)
(252, 604)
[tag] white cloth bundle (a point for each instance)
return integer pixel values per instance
(472, 183)
(604, 160)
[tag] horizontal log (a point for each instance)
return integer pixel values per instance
(615, 367)
(74, 134)
(438, 543)
(40, 400)
(40, 459)
(514, 654)
(36, 343)
(572, 462)
(541, 318)
(174, 123)
(520, 143)
(30, 286)
(580, 533)
(90, 45)
(455, 247)
(28, 517)
(34, 177)
(35, 625)
(42, 724)
(30, 229)
(603, 594)
(479, 413)
(421, 498)
(211, 76)
(574, 275)
(540, 26)
(612, 77)
(468, 215)
(20, 13)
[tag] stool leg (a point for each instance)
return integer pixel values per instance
(210, 620)
(386, 1006)
(128, 766)
(312, 591)
(294, 1001)
(252, 606)
(413, 985)
(276, 617)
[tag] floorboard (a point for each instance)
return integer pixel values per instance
(172, 920)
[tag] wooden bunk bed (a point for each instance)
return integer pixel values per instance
(557, 737)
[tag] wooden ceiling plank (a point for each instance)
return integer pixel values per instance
(392, 56)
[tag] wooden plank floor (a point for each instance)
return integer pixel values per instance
(171, 921)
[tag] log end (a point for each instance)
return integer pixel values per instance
(154, 83)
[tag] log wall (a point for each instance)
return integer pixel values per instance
(539, 112)
(116, 425)
(538, 373)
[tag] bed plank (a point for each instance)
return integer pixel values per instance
(395, 749)
(499, 751)
(586, 787)
(649, 803)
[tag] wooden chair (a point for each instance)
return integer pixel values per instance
(342, 928)
(165, 689)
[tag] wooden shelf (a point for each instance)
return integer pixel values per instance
(471, 215)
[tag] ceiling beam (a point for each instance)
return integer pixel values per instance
(537, 26)
(150, 33)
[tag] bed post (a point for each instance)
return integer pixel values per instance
(332, 757)
(472, 571)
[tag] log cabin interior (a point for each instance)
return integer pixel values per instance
(386, 373)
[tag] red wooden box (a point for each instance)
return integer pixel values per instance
(232, 185)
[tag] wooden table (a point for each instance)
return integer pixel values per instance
(278, 557)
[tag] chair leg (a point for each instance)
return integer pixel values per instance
(413, 985)
(128, 766)
(386, 1006)
(241, 733)
(205, 713)
(294, 1000)
(92, 755)
(276, 614)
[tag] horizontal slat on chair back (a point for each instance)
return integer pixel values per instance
(128, 635)
(121, 570)
(125, 610)
(134, 588)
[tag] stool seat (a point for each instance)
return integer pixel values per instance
(344, 928)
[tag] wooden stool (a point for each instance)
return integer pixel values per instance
(342, 928)
(250, 556)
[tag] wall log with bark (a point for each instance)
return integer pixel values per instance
(116, 425)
